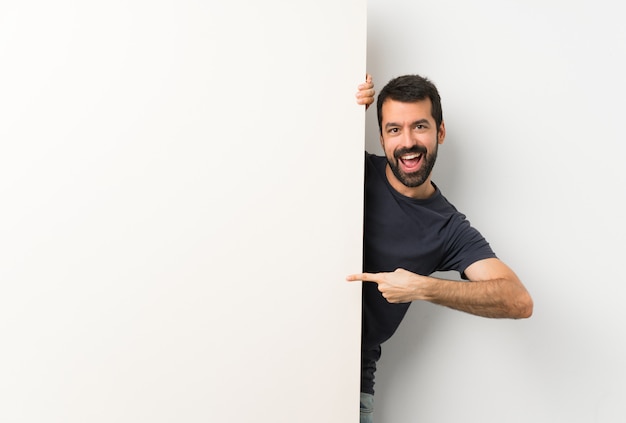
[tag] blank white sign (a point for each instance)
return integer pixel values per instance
(181, 199)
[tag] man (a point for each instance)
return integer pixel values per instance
(411, 230)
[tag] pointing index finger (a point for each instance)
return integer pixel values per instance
(365, 277)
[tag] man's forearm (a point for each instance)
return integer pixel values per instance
(498, 298)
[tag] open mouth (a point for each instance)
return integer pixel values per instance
(410, 162)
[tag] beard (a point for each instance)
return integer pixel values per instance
(413, 179)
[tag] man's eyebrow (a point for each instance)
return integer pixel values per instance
(395, 125)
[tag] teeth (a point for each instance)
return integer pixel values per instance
(410, 156)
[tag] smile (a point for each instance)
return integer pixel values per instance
(411, 161)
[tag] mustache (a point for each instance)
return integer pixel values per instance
(417, 149)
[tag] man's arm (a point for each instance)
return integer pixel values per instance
(494, 290)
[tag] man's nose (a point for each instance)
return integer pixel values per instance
(407, 138)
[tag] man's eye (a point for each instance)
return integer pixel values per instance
(393, 130)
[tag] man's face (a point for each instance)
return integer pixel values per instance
(410, 140)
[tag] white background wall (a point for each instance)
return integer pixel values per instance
(533, 95)
(180, 201)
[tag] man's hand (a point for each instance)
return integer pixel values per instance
(365, 95)
(400, 286)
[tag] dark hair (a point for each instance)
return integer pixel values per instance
(410, 89)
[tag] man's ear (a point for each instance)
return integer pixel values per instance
(441, 134)
(382, 142)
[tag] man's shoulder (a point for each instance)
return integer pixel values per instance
(374, 159)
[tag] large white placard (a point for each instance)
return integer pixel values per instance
(181, 198)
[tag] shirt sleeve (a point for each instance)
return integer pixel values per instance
(465, 245)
